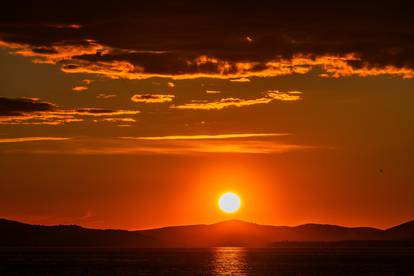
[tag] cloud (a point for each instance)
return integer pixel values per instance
(333, 66)
(39, 118)
(87, 81)
(184, 145)
(26, 111)
(152, 98)
(53, 54)
(260, 39)
(171, 84)
(105, 96)
(80, 88)
(66, 26)
(116, 120)
(213, 92)
(97, 112)
(269, 96)
(93, 58)
(240, 80)
(206, 137)
(84, 87)
(284, 96)
(19, 106)
(222, 103)
(31, 139)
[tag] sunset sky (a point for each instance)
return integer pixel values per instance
(140, 114)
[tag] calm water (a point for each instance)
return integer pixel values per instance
(214, 261)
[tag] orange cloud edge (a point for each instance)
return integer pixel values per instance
(333, 66)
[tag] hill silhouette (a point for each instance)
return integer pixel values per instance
(226, 233)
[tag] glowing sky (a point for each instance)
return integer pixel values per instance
(136, 115)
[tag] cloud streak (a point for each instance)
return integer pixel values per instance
(205, 137)
(105, 96)
(31, 139)
(152, 98)
(289, 96)
(80, 88)
(223, 143)
(269, 96)
(26, 111)
(332, 66)
(213, 91)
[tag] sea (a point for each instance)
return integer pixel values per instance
(209, 261)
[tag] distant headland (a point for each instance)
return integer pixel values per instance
(226, 233)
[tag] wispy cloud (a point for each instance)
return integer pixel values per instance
(240, 80)
(152, 98)
(105, 96)
(83, 87)
(31, 139)
(54, 53)
(206, 137)
(26, 111)
(116, 120)
(181, 145)
(289, 96)
(268, 97)
(87, 81)
(80, 88)
(249, 39)
(66, 26)
(213, 91)
(222, 103)
(97, 112)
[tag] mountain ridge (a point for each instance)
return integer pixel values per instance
(224, 233)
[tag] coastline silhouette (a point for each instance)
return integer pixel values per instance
(226, 233)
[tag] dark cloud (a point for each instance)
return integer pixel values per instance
(19, 106)
(26, 111)
(264, 38)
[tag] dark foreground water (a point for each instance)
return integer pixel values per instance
(213, 261)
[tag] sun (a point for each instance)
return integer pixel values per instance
(229, 202)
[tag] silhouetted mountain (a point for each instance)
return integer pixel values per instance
(227, 233)
(403, 231)
(19, 234)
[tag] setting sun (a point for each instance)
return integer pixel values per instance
(229, 202)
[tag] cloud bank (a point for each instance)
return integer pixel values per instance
(228, 40)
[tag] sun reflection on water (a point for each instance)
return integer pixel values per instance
(229, 261)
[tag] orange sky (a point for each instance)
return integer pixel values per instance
(109, 119)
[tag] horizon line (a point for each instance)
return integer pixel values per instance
(204, 224)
